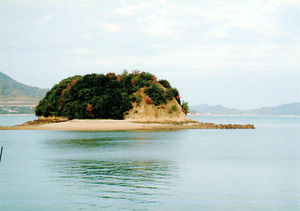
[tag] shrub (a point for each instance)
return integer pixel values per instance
(146, 76)
(185, 107)
(133, 98)
(173, 107)
(156, 94)
(143, 79)
(165, 83)
(171, 92)
(138, 99)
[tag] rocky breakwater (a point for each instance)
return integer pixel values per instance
(192, 124)
(223, 126)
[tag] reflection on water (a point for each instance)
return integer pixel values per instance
(122, 166)
(104, 139)
(92, 143)
(130, 180)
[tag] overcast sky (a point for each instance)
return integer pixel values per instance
(241, 54)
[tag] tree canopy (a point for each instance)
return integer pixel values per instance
(102, 96)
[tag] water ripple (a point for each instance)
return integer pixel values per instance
(130, 180)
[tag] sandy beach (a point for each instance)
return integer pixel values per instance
(120, 125)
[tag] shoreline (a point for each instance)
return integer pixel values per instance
(119, 125)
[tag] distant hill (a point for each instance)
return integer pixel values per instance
(215, 109)
(13, 91)
(285, 109)
(18, 98)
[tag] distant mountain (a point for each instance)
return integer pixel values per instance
(13, 91)
(216, 109)
(285, 109)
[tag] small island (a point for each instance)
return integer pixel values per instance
(103, 102)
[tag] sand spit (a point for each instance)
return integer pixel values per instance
(119, 125)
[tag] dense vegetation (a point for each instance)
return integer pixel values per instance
(103, 96)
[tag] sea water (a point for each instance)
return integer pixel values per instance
(159, 170)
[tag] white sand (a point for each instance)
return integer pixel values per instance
(96, 125)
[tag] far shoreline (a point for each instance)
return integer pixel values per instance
(242, 115)
(18, 115)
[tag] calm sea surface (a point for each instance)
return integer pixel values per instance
(165, 170)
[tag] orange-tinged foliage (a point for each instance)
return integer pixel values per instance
(67, 89)
(154, 79)
(71, 84)
(118, 78)
(133, 82)
(61, 101)
(109, 75)
(89, 109)
(148, 101)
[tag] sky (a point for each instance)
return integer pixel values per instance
(241, 54)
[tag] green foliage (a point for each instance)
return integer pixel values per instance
(132, 98)
(174, 107)
(171, 92)
(142, 79)
(165, 83)
(101, 96)
(156, 94)
(107, 96)
(185, 107)
(146, 76)
(51, 104)
(138, 99)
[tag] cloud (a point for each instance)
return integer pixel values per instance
(80, 51)
(85, 36)
(112, 27)
(169, 37)
(204, 60)
(47, 19)
(132, 9)
(216, 19)
(160, 27)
